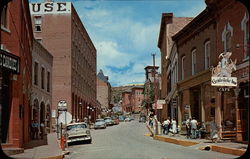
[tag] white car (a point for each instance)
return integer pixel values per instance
(78, 132)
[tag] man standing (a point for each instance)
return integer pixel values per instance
(188, 127)
(193, 127)
(166, 126)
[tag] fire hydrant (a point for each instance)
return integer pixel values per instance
(63, 142)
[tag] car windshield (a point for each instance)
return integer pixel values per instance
(99, 120)
(70, 127)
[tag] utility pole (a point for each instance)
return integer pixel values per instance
(155, 99)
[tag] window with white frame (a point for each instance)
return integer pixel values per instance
(246, 39)
(194, 62)
(227, 36)
(207, 55)
(183, 67)
(38, 23)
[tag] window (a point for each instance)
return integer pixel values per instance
(4, 17)
(246, 39)
(48, 81)
(227, 36)
(183, 67)
(36, 73)
(207, 55)
(38, 23)
(228, 42)
(42, 77)
(194, 62)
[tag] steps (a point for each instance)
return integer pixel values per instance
(229, 135)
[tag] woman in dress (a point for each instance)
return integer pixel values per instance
(174, 126)
(213, 127)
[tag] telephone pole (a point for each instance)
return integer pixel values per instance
(155, 94)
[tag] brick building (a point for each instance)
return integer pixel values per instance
(126, 101)
(41, 98)
(136, 98)
(59, 29)
(16, 40)
(170, 25)
(223, 26)
(103, 90)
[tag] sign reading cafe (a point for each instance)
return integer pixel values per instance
(221, 74)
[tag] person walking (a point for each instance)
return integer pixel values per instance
(174, 126)
(214, 133)
(188, 127)
(193, 128)
(36, 129)
(166, 126)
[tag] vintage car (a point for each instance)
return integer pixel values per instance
(78, 132)
(100, 124)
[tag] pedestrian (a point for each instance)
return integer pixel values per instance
(193, 124)
(214, 134)
(166, 124)
(36, 129)
(174, 126)
(201, 130)
(42, 129)
(188, 127)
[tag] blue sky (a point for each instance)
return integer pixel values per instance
(125, 32)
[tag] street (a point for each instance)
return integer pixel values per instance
(128, 141)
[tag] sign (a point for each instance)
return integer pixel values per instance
(223, 89)
(9, 61)
(224, 81)
(159, 106)
(53, 115)
(65, 118)
(62, 105)
(50, 8)
(161, 102)
(221, 74)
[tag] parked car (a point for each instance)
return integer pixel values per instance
(109, 121)
(100, 124)
(142, 119)
(116, 120)
(78, 132)
(127, 119)
(121, 118)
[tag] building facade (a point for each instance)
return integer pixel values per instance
(16, 40)
(126, 101)
(222, 27)
(60, 30)
(170, 25)
(103, 91)
(42, 62)
(137, 98)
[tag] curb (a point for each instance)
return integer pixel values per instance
(227, 150)
(175, 141)
(54, 157)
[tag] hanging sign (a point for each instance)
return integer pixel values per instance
(9, 61)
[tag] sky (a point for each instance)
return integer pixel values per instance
(125, 33)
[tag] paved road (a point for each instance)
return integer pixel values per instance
(127, 141)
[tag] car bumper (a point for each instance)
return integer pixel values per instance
(79, 139)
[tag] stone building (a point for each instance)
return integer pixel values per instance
(136, 98)
(170, 25)
(59, 29)
(16, 40)
(41, 98)
(103, 90)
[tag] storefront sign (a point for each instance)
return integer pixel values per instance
(161, 102)
(159, 106)
(221, 74)
(50, 8)
(224, 81)
(9, 61)
(223, 89)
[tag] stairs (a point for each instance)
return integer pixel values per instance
(229, 135)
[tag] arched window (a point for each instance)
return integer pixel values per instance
(207, 55)
(194, 62)
(246, 39)
(227, 36)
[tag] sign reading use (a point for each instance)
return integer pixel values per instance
(50, 8)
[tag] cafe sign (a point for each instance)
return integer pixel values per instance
(9, 62)
(221, 74)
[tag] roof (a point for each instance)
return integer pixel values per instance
(102, 77)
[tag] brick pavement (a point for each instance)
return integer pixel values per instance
(51, 150)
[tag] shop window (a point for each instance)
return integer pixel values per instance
(36, 73)
(38, 23)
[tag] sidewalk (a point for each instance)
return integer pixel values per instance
(226, 147)
(50, 150)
